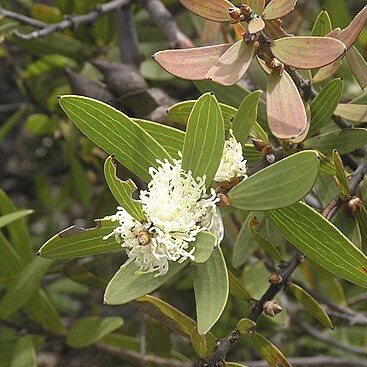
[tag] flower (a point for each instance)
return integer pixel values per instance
(232, 164)
(177, 208)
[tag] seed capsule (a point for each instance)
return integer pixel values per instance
(144, 238)
(271, 308)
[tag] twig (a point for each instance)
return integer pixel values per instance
(315, 361)
(128, 38)
(70, 21)
(164, 21)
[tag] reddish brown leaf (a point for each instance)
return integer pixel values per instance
(307, 52)
(256, 25)
(273, 29)
(358, 66)
(190, 63)
(353, 112)
(349, 35)
(286, 113)
(278, 8)
(232, 64)
(327, 71)
(216, 10)
(256, 5)
(334, 32)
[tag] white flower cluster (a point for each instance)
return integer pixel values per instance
(233, 163)
(177, 208)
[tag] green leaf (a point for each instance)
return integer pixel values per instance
(78, 242)
(268, 351)
(344, 141)
(81, 181)
(172, 317)
(266, 189)
(168, 137)
(127, 284)
(24, 353)
(324, 104)
(244, 325)
(10, 261)
(232, 364)
(24, 286)
(88, 330)
(353, 112)
(122, 190)
(236, 288)
(251, 154)
(204, 139)
(321, 241)
(341, 174)
(204, 246)
(246, 116)
(361, 215)
(312, 306)
(358, 66)
(199, 343)
(8, 218)
(8, 125)
(116, 133)
(322, 25)
(180, 112)
(211, 288)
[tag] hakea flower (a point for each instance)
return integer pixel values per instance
(232, 164)
(177, 208)
(274, 49)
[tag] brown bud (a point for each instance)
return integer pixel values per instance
(275, 278)
(262, 146)
(276, 65)
(271, 308)
(223, 199)
(235, 14)
(229, 184)
(354, 204)
(143, 237)
(245, 9)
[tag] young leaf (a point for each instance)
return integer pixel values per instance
(305, 52)
(344, 141)
(24, 286)
(324, 104)
(353, 112)
(24, 353)
(190, 63)
(116, 133)
(278, 185)
(78, 242)
(358, 65)
(312, 306)
(127, 285)
(8, 218)
(180, 112)
(341, 174)
(322, 25)
(168, 137)
(286, 113)
(327, 71)
(268, 351)
(211, 288)
(244, 325)
(233, 64)
(321, 241)
(122, 190)
(204, 139)
(278, 9)
(246, 116)
(88, 330)
(215, 10)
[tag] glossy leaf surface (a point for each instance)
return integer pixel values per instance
(324, 104)
(344, 141)
(353, 112)
(211, 288)
(204, 139)
(321, 241)
(232, 65)
(215, 10)
(78, 242)
(286, 113)
(278, 9)
(116, 133)
(190, 63)
(278, 185)
(306, 52)
(88, 330)
(312, 306)
(122, 190)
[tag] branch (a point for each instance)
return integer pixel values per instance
(70, 21)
